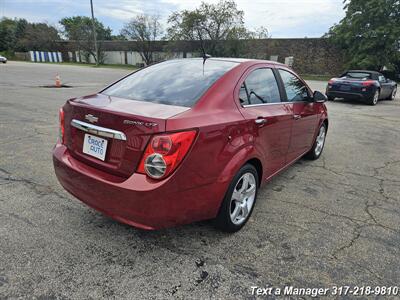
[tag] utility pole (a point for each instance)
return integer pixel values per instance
(94, 34)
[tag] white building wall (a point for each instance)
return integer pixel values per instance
(91, 59)
(114, 57)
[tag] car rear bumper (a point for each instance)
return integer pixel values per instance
(349, 95)
(137, 201)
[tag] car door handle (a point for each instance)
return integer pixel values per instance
(260, 121)
(296, 117)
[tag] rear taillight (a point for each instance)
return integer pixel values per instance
(164, 153)
(368, 83)
(331, 81)
(61, 124)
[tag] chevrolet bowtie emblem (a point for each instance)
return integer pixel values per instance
(91, 118)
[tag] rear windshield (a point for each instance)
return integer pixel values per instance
(358, 75)
(175, 82)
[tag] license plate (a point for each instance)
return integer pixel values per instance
(95, 146)
(345, 87)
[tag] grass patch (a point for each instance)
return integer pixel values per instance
(316, 77)
(7, 54)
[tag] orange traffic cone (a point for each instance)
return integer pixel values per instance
(58, 81)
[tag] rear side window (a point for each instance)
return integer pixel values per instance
(259, 87)
(174, 82)
(294, 87)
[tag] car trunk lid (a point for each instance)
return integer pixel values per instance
(126, 125)
(348, 84)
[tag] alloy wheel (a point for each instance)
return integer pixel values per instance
(320, 141)
(376, 97)
(242, 199)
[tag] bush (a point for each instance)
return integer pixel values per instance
(8, 54)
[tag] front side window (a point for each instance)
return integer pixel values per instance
(382, 78)
(294, 87)
(178, 82)
(259, 87)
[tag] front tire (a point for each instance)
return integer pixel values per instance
(374, 99)
(239, 200)
(319, 144)
(330, 98)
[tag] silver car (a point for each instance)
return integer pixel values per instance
(3, 59)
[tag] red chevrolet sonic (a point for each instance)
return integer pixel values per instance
(187, 140)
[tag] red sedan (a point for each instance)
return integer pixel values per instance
(187, 140)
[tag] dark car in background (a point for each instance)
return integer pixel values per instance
(367, 86)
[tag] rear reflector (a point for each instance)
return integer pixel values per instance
(155, 165)
(164, 153)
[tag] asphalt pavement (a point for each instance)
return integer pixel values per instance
(325, 223)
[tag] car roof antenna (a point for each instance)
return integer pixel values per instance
(205, 56)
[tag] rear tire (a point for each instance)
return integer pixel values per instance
(330, 98)
(239, 200)
(393, 94)
(319, 144)
(374, 99)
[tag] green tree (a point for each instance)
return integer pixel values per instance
(7, 34)
(369, 33)
(36, 36)
(20, 35)
(20, 28)
(144, 29)
(80, 30)
(216, 27)
(118, 37)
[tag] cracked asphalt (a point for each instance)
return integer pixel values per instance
(334, 221)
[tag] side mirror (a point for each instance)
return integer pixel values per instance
(319, 97)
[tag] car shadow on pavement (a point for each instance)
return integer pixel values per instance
(182, 238)
(357, 102)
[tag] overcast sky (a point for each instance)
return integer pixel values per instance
(283, 18)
